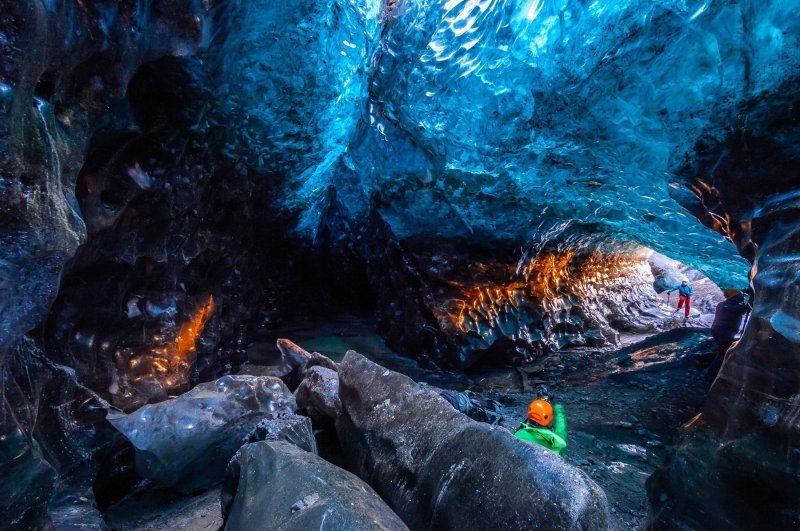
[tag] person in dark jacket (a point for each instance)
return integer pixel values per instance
(728, 319)
(685, 293)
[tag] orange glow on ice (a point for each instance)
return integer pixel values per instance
(543, 279)
(190, 331)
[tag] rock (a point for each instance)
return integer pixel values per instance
(188, 441)
(155, 509)
(116, 475)
(72, 508)
(275, 371)
(288, 427)
(318, 395)
(624, 360)
(306, 502)
(618, 424)
(276, 485)
(318, 360)
(439, 469)
(301, 360)
(293, 354)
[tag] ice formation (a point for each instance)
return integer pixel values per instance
(491, 119)
(489, 176)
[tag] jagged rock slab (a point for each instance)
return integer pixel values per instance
(300, 361)
(187, 442)
(318, 394)
(296, 356)
(440, 470)
(275, 485)
(295, 429)
(292, 353)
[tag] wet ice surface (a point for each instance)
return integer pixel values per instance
(623, 405)
(186, 442)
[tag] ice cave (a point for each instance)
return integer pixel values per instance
(400, 264)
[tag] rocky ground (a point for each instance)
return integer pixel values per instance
(624, 405)
(623, 410)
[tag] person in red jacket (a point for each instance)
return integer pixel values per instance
(685, 296)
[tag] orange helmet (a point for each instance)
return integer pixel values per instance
(540, 412)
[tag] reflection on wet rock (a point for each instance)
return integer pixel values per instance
(275, 485)
(432, 466)
(186, 442)
(458, 303)
(141, 356)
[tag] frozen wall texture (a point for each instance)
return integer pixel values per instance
(62, 67)
(744, 448)
(486, 118)
(491, 174)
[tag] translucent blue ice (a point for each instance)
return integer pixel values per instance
(298, 69)
(491, 119)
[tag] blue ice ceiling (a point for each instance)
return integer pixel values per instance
(509, 120)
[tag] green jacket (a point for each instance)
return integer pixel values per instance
(555, 439)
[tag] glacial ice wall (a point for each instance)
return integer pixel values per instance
(298, 70)
(494, 119)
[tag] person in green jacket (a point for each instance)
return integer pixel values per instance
(546, 424)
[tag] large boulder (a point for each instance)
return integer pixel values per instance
(438, 469)
(187, 442)
(318, 395)
(276, 485)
